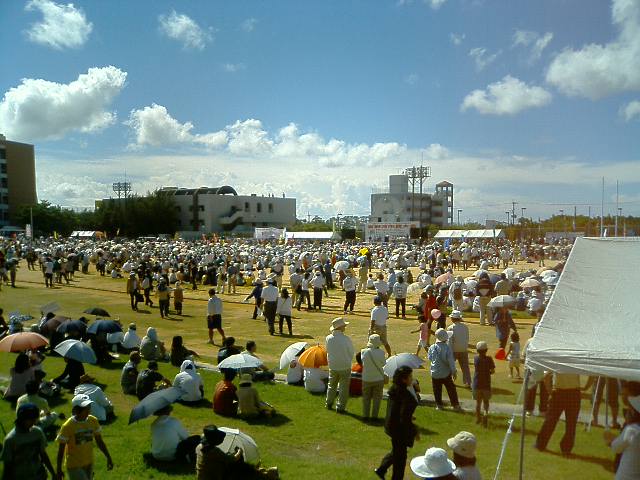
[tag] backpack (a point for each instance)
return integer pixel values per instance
(457, 291)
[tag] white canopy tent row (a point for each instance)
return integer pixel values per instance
(470, 234)
(588, 327)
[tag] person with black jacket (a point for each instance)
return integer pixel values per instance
(399, 423)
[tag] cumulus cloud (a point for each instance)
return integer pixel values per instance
(506, 97)
(62, 26)
(435, 151)
(249, 25)
(185, 30)
(595, 71)
(435, 4)
(482, 57)
(233, 67)
(533, 41)
(40, 109)
(457, 38)
(630, 110)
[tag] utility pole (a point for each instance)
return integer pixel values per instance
(513, 212)
(617, 207)
(575, 217)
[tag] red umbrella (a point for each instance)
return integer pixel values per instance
(19, 342)
(314, 357)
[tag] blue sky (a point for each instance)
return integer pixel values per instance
(526, 101)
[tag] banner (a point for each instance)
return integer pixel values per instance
(390, 230)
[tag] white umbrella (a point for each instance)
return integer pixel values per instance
(502, 301)
(76, 350)
(236, 439)
(341, 265)
(240, 360)
(401, 360)
(291, 352)
(530, 283)
(551, 280)
(414, 288)
(510, 272)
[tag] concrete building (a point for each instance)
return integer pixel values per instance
(17, 178)
(401, 206)
(221, 209)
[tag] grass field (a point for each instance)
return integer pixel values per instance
(305, 438)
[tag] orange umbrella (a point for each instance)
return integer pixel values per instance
(19, 342)
(314, 357)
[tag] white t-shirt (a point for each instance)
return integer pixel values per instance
(380, 315)
(166, 433)
(295, 373)
(349, 284)
(628, 444)
(284, 306)
(381, 286)
(270, 293)
(190, 385)
(314, 380)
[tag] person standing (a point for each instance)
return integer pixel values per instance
(164, 297)
(459, 341)
(627, 444)
(400, 293)
(76, 441)
(565, 398)
(379, 318)
(295, 281)
(456, 294)
(382, 289)
(372, 377)
(283, 310)
(178, 297)
(443, 370)
(270, 297)
(256, 293)
(504, 324)
(485, 292)
(484, 367)
(349, 285)
(214, 315)
(132, 290)
(318, 283)
(339, 356)
(48, 272)
(147, 286)
(399, 424)
(363, 273)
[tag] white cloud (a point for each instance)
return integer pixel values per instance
(506, 97)
(411, 79)
(233, 67)
(62, 26)
(435, 151)
(457, 38)
(596, 71)
(532, 41)
(482, 57)
(182, 28)
(435, 4)
(249, 25)
(39, 109)
(630, 110)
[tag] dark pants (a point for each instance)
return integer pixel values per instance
(284, 318)
(164, 307)
(134, 300)
(401, 302)
(396, 457)
(567, 401)
(530, 399)
(270, 314)
(257, 306)
(301, 297)
(317, 298)
(186, 449)
(350, 302)
(147, 299)
(437, 384)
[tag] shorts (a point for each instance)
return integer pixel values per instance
(480, 394)
(214, 321)
(382, 331)
(514, 362)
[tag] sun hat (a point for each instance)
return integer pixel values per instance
(338, 323)
(635, 403)
(435, 313)
(464, 444)
(433, 464)
(374, 341)
(213, 435)
(81, 401)
(456, 314)
(482, 345)
(442, 335)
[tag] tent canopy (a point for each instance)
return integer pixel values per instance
(590, 325)
(460, 234)
(312, 236)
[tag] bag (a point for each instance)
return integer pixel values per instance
(139, 297)
(457, 292)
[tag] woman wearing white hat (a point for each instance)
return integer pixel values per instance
(464, 456)
(434, 465)
(627, 444)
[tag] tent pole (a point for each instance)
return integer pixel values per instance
(524, 421)
(593, 404)
(606, 405)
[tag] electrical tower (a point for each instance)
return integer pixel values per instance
(417, 176)
(122, 189)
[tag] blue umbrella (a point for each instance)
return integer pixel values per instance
(76, 350)
(72, 326)
(104, 326)
(154, 402)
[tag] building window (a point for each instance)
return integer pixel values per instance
(3, 183)
(3, 166)
(259, 207)
(3, 154)
(201, 208)
(247, 207)
(271, 208)
(379, 219)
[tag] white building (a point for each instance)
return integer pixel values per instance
(221, 209)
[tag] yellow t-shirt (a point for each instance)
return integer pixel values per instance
(78, 437)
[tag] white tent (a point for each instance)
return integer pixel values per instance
(590, 326)
(326, 236)
(464, 234)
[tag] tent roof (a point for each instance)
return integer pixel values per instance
(489, 233)
(312, 235)
(590, 324)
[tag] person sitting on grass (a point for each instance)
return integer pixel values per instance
(147, 379)
(24, 454)
(464, 456)
(101, 406)
(190, 383)
(225, 399)
(47, 418)
(76, 441)
(484, 367)
(169, 439)
(151, 348)
(180, 353)
(130, 374)
(214, 464)
(249, 403)
(131, 340)
(21, 373)
(70, 377)
(229, 348)
(434, 465)
(261, 373)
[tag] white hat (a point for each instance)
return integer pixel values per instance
(457, 314)
(482, 345)
(81, 401)
(442, 335)
(464, 444)
(374, 341)
(433, 464)
(338, 323)
(635, 403)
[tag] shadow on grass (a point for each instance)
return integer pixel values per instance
(170, 468)
(173, 319)
(146, 312)
(603, 462)
(275, 421)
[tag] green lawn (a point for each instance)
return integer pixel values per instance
(305, 438)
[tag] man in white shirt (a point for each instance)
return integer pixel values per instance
(214, 315)
(382, 289)
(48, 273)
(458, 341)
(349, 285)
(189, 382)
(339, 356)
(270, 297)
(318, 283)
(295, 280)
(379, 317)
(169, 439)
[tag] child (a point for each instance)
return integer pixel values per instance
(514, 355)
(425, 334)
(178, 297)
(481, 385)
